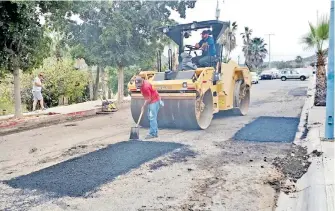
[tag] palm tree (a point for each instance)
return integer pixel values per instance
(298, 62)
(228, 40)
(298, 59)
(316, 38)
(257, 53)
(246, 42)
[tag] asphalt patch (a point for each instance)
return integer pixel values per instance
(82, 175)
(269, 129)
(298, 92)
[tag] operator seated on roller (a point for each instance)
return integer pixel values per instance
(152, 100)
(207, 45)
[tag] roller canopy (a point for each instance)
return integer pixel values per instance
(175, 32)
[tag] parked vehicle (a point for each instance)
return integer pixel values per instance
(266, 75)
(293, 74)
(254, 78)
(275, 72)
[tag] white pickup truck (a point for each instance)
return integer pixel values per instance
(293, 74)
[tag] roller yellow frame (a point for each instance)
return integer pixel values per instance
(192, 97)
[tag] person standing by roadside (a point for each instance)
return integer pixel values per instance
(153, 101)
(37, 91)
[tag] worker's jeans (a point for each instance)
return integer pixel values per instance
(153, 109)
(204, 61)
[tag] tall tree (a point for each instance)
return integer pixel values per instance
(254, 49)
(229, 40)
(298, 62)
(316, 38)
(257, 53)
(122, 33)
(298, 59)
(24, 43)
(22, 40)
(85, 39)
(246, 36)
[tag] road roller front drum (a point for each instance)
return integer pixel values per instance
(190, 113)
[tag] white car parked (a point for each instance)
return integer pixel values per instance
(293, 74)
(254, 78)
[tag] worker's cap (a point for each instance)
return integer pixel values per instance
(138, 80)
(204, 32)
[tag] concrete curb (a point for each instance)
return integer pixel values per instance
(310, 194)
(47, 120)
(303, 122)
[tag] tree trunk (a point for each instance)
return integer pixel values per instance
(320, 87)
(321, 81)
(109, 93)
(96, 85)
(120, 86)
(91, 84)
(106, 87)
(103, 83)
(17, 93)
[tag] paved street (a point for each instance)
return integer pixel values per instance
(90, 165)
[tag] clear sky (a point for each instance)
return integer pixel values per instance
(287, 19)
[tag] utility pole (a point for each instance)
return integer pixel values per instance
(217, 14)
(270, 49)
(217, 10)
(329, 123)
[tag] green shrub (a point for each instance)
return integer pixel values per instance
(61, 79)
(6, 95)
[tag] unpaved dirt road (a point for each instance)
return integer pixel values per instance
(90, 165)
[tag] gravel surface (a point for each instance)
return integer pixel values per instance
(89, 166)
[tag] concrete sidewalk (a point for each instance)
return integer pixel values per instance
(315, 189)
(9, 124)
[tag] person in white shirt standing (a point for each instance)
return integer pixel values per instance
(37, 91)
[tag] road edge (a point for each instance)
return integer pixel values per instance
(48, 120)
(309, 196)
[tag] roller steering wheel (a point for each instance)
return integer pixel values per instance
(191, 48)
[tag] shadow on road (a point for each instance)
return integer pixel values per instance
(269, 129)
(225, 114)
(79, 176)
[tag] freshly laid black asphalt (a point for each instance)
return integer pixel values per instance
(297, 92)
(79, 176)
(269, 129)
(274, 112)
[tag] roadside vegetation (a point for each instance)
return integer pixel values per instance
(316, 38)
(44, 36)
(91, 49)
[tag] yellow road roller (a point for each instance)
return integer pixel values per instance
(192, 94)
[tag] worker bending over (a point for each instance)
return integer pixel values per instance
(152, 100)
(207, 45)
